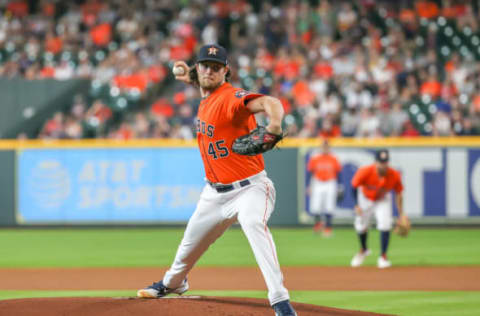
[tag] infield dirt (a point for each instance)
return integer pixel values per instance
(465, 278)
(215, 278)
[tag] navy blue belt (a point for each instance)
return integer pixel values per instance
(222, 188)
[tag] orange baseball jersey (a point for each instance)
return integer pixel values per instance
(324, 166)
(374, 187)
(222, 117)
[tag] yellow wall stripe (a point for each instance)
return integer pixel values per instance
(388, 142)
(288, 142)
(95, 143)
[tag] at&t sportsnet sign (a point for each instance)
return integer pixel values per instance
(114, 185)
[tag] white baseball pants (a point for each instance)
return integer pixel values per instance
(323, 196)
(382, 209)
(252, 206)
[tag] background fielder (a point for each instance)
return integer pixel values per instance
(376, 181)
(324, 188)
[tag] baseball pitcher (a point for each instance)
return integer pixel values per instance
(237, 187)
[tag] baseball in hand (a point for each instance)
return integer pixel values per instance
(178, 71)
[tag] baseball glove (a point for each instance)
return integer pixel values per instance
(258, 141)
(402, 228)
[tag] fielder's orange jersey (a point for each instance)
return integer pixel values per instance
(324, 167)
(223, 117)
(374, 187)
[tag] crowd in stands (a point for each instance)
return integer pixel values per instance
(359, 68)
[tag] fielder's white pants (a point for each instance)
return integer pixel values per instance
(382, 209)
(252, 206)
(323, 196)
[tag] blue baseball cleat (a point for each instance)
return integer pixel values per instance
(284, 308)
(157, 290)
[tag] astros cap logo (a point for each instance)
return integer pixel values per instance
(383, 155)
(212, 50)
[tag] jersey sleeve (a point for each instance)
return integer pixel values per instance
(398, 187)
(359, 177)
(338, 166)
(311, 164)
(239, 99)
(245, 96)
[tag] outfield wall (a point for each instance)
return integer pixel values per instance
(7, 188)
(440, 184)
(159, 182)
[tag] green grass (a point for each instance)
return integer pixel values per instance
(157, 247)
(296, 247)
(392, 302)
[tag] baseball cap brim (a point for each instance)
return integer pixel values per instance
(212, 59)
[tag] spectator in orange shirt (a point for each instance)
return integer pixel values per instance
(376, 181)
(329, 128)
(324, 188)
(427, 9)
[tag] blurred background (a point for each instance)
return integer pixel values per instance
(359, 72)
(358, 68)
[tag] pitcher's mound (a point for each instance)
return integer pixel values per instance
(174, 306)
